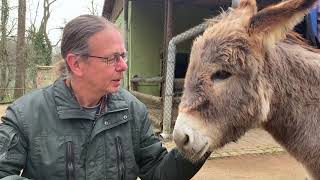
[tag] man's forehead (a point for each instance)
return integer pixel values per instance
(107, 42)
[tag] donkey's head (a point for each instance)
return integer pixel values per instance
(226, 90)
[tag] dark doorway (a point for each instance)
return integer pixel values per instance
(182, 61)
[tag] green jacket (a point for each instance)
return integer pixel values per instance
(48, 135)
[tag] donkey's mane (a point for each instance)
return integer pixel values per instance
(296, 38)
(291, 38)
(223, 13)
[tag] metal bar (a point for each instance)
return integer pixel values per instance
(126, 32)
(12, 88)
(169, 34)
(147, 80)
(169, 80)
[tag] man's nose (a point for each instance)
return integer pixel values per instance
(121, 65)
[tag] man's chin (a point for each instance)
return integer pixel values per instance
(113, 90)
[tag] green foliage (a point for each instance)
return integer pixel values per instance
(39, 53)
(7, 98)
(42, 48)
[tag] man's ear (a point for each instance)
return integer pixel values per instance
(74, 64)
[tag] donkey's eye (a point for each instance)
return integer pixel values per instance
(220, 75)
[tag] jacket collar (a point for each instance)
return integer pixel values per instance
(69, 108)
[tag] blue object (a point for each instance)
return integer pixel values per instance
(313, 15)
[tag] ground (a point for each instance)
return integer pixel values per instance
(255, 157)
(279, 166)
(2, 109)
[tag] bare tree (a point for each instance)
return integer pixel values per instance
(43, 28)
(20, 55)
(41, 45)
(93, 8)
(39, 36)
(3, 49)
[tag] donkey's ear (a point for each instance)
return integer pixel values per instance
(249, 6)
(273, 23)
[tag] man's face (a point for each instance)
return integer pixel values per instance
(100, 76)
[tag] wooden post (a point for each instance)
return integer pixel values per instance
(126, 30)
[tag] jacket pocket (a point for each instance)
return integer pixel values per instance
(56, 157)
(8, 140)
(120, 159)
(70, 165)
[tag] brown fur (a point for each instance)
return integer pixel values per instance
(274, 83)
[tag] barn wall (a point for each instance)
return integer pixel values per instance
(145, 44)
(146, 36)
(186, 17)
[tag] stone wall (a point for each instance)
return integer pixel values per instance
(45, 76)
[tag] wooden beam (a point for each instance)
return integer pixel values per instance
(107, 9)
(147, 99)
(147, 80)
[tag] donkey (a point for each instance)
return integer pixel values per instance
(246, 71)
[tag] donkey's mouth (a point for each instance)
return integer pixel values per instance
(199, 154)
(189, 141)
(194, 146)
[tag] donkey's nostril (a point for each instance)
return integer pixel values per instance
(186, 140)
(181, 137)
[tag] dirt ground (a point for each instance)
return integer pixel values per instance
(2, 109)
(279, 166)
(253, 167)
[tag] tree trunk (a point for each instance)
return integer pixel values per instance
(43, 30)
(3, 49)
(20, 54)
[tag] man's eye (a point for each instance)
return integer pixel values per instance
(111, 59)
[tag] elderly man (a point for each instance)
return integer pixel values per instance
(85, 126)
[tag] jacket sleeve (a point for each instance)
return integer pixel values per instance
(12, 146)
(157, 163)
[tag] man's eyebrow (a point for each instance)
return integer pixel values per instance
(116, 53)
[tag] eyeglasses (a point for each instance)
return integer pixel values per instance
(111, 60)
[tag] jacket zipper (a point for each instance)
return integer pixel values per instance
(87, 144)
(70, 161)
(120, 159)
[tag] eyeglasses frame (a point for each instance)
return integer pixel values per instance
(110, 60)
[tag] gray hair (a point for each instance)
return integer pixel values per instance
(77, 32)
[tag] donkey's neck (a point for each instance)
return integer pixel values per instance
(294, 76)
